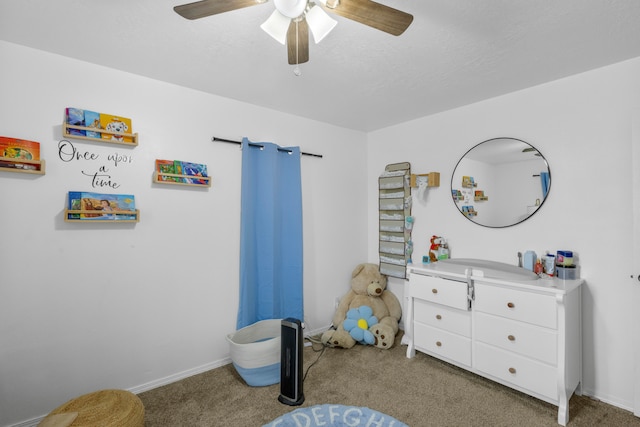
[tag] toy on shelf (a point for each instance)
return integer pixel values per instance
(439, 249)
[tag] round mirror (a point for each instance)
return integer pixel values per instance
(500, 182)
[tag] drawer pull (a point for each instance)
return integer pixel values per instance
(512, 370)
(434, 290)
(438, 317)
(511, 305)
(438, 343)
(511, 338)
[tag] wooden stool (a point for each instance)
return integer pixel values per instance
(105, 408)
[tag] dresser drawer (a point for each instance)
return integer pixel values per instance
(518, 370)
(519, 305)
(522, 338)
(438, 290)
(443, 317)
(442, 343)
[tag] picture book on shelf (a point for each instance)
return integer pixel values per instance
(75, 117)
(74, 204)
(106, 206)
(177, 165)
(166, 166)
(92, 120)
(20, 149)
(17, 165)
(195, 169)
(117, 124)
(468, 181)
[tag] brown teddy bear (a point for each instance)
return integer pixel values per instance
(368, 288)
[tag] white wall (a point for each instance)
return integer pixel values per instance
(582, 125)
(91, 306)
(84, 307)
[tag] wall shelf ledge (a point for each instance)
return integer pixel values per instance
(11, 164)
(184, 179)
(66, 127)
(73, 215)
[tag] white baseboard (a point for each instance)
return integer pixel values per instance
(28, 423)
(627, 406)
(316, 331)
(179, 376)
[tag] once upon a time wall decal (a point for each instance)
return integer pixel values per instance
(100, 178)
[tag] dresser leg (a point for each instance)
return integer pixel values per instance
(411, 350)
(563, 410)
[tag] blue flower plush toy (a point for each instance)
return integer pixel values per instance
(358, 322)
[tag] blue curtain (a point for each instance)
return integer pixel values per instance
(545, 180)
(270, 234)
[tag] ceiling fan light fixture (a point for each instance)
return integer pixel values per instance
(320, 23)
(291, 8)
(277, 26)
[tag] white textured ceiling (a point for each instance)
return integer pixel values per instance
(455, 52)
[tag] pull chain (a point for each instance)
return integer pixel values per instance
(296, 70)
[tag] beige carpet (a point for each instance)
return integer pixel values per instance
(420, 392)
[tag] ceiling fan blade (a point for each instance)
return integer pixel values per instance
(376, 15)
(298, 42)
(203, 8)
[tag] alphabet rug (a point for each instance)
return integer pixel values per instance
(335, 416)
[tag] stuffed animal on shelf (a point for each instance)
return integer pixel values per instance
(438, 249)
(369, 289)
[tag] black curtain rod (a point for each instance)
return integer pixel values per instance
(215, 138)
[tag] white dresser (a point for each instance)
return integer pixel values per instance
(525, 334)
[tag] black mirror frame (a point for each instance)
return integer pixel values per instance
(517, 222)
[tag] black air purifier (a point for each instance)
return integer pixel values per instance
(291, 362)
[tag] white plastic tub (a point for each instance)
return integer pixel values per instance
(255, 352)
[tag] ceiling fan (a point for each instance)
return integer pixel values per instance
(291, 21)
